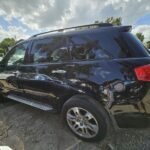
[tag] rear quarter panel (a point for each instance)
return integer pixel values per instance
(96, 77)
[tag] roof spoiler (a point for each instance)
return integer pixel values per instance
(125, 28)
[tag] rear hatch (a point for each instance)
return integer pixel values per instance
(134, 59)
(135, 54)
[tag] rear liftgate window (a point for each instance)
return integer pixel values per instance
(134, 45)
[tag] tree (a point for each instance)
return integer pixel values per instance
(96, 22)
(2, 51)
(115, 21)
(140, 36)
(148, 44)
(6, 43)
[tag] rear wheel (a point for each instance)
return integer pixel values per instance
(86, 118)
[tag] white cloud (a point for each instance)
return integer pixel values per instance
(51, 14)
(144, 29)
(44, 14)
(36, 13)
(13, 32)
(2, 12)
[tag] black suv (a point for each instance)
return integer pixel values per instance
(89, 73)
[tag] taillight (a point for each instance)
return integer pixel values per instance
(143, 73)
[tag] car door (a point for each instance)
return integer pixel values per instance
(43, 78)
(9, 70)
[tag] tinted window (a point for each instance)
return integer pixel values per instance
(49, 50)
(84, 47)
(16, 55)
(134, 45)
(103, 44)
(111, 43)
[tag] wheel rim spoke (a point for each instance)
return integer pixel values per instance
(88, 115)
(85, 132)
(76, 127)
(76, 111)
(92, 127)
(70, 117)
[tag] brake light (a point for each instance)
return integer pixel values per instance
(143, 73)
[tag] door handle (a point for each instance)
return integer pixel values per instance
(59, 71)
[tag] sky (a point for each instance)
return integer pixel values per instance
(22, 18)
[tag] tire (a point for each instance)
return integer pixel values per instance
(85, 112)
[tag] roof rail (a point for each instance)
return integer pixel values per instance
(76, 28)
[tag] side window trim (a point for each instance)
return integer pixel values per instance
(27, 53)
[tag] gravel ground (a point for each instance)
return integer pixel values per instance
(26, 128)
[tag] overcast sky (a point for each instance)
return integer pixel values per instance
(23, 18)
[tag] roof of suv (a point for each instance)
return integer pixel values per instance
(79, 29)
(75, 28)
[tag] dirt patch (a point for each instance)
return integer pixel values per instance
(26, 128)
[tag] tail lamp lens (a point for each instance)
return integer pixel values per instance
(143, 73)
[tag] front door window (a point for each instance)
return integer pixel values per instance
(16, 55)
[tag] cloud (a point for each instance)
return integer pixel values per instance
(13, 32)
(48, 14)
(144, 29)
(43, 15)
(36, 13)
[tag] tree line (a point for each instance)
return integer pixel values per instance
(9, 42)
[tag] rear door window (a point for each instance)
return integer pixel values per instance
(52, 49)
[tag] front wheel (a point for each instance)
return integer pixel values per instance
(86, 118)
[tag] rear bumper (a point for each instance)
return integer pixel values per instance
(133, 115)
